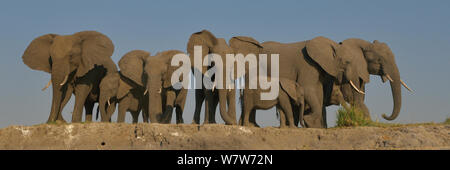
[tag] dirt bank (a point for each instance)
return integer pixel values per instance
(157, 136)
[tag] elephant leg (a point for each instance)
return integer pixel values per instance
(285, 105)
(209, 102)
(167, 118)
(179, 112)
(135, 115)
(283, 122)
(170, 101)
(223, 107)
(180, 101)
(213, 108)
(88, 107)
(296, 114)
(66, 99)
(145, 116)
(252, 118)
(81, 93)
(231, 101)
(314, 98)
(58, 93)
(124, 104)
(199, 98)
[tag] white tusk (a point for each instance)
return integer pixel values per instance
(48, 85)
(214, 86)
(145, 92)
(389, 78)
(159, 91)
(353, 85)
(404, 84)
(65, 80)
(229, 87)
(109, 103)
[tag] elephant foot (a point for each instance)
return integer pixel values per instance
(59, 121)
(312, 122)
(254, 124)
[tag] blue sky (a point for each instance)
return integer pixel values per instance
(418, 33)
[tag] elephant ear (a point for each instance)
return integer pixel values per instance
(168, 55)
(290, 87)
(245, 45)
(132, 65)
(205, 39)
(37, 54)
(322, 51)
(96, 49)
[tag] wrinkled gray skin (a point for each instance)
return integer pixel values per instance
(130, 97)
(290, 93)
(162, 96)
(314, 64)
(376, 59)
(77, 63)
(226, 98)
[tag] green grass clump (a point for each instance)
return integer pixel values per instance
(351, 117)
(447, 121)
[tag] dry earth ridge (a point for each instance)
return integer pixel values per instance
(162, 136)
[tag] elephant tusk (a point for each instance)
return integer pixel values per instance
(353, 85)
(389, 78)
(229, 87)
(404, 84)
(48, 85)
(109, 103)
(145, 92)
(214, 86)
(65, 80)
(159, 91)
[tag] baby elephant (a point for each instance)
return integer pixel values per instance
(116, 88)
(290, 94)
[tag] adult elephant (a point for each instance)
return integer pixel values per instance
(154, 74)
(315, 64)
(77, 63)
(374, 58)
(163, 96)
(224, 96)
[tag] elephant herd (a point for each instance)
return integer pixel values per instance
(312, 74)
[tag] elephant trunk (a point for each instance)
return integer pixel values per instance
(56, 102)
(396, 94)
(223, 107)
(155, 104)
